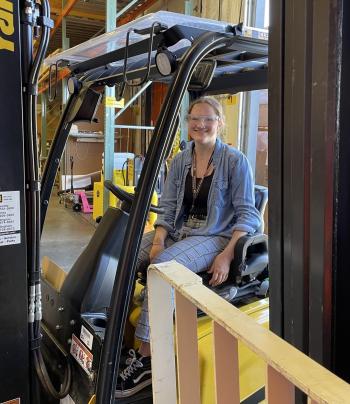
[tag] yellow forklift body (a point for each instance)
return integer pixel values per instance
(118, 179)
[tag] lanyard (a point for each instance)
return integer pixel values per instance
(196, 187)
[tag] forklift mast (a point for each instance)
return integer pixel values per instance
(14, 352)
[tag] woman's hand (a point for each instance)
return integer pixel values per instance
(155, 251)
(220, 269)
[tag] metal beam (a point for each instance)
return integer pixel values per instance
(342, 216)
(56, 12)
(304, 176)
(64, 99)
(186, 100)
(108, 159)
(139, 10)
(250, 123)
(44, 83)
(134, 127)
(43, 125)
(275, 160)
(101, 17)
(251, 99)
(133, 99)
(127, 8)
(66, 10)
(121, 21)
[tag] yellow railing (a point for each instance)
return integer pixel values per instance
(287, 367)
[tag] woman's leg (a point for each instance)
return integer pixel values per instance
(197, 254)
(143, 261)
(145, 248)
(142, 265)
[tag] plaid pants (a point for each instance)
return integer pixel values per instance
(195, 252)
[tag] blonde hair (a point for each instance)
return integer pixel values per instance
(214, 103)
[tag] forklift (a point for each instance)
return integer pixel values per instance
(69, 344)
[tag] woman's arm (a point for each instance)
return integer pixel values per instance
(247, 216)
(221, 265)
(158, 243)
(169, 198)
(165, 222)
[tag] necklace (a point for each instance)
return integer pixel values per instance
(196, 187)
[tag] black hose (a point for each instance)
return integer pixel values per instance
(123, 174)
(45, 380)
(30, 177)
(33, 211)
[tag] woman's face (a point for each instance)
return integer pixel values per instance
(203, 124)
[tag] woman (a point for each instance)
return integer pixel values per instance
(208, 203)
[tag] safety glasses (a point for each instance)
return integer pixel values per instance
(202, 119)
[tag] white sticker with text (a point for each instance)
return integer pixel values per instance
(10, 218)
(86, 337)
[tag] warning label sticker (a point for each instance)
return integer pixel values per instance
(83, 356)
(10, 219)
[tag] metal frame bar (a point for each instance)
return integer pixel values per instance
(134, 13)
(250, 100)
(287, 224)
(65, 12)
(120, 14)
(108, 157)
(188, 7)
(142, 89)
(324, 133)
(126, 8)
(43, 125)
(341, 335)
(296, 181)
(65, 95)
(303, 130)
(275, 159)
(134, 127)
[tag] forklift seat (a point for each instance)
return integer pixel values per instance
(251, 255)
(250, 263)
(250, 258)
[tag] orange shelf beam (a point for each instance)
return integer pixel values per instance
(66, 10)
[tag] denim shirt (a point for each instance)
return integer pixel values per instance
(231, 201)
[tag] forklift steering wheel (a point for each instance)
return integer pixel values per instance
(127, 197)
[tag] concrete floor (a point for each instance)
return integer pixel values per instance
(65, 234)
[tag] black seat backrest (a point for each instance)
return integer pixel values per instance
(88, 285)
(261, 197)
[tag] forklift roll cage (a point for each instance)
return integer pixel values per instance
(233, 62)
(247, 59)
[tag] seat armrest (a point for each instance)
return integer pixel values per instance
(257, 241)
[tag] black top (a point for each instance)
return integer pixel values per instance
(201, 202)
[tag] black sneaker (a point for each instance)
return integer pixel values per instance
(136, 375)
